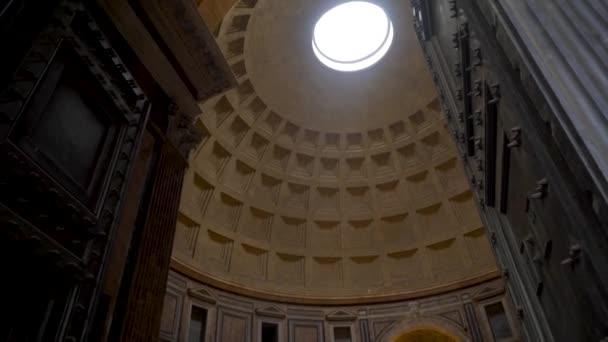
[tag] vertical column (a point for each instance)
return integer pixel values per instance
(472, 322)
(147, 290)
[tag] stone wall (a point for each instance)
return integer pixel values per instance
(230, 317)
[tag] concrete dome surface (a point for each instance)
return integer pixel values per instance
(318, 186)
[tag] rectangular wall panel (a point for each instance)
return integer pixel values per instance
(305, 331)
(233, 325)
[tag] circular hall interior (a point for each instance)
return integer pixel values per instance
(324, 203)
(304, 170)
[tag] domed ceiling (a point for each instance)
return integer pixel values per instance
(318, 186)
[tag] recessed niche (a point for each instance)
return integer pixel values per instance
(327, 272)
(359, 200)
(246, 3)
(451, 176)
(219, 158)
(359, 234)
(257, 146)
(436, 223)
(383, 164)
(255, 109)
(420, 120)
(289, 133)
(388, 196)
(239, 23)
(257, 225)
(405, 267)
(235, 48)
(265, 189)
(198, 321)
(236, 131)
(268, 189)
(409, 158)
(310, 139)
(226, 211)
(288, 268)
(186, 234)
(479, 249)
(446, 260)
(422, 188)
(328, 202)
(288, 231)
(303, 165)
(244, 90)
(203, 192)
(364, 271)
(355, 167)
(398, 230)
(332, 141)
(279, 158)
(329, 168)
(250, 261)
(342, 334)
(435, 105)
(465, 209)
(376, 137)
(203, 131)
(325, 235)
(238, 176)
(215, 249)
(239, 69)
(398, 132)
(222, 110)
(354, 141)
(436, 144)
(271, 123)
(295, 197)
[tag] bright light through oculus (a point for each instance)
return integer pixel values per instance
(352, 36)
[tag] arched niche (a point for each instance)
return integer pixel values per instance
(425, 335)
(425, 329)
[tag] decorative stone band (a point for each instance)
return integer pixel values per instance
(186, 270)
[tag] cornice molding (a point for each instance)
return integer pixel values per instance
(184, 269)
(193, 45)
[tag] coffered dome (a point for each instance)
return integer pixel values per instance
(314, 185)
